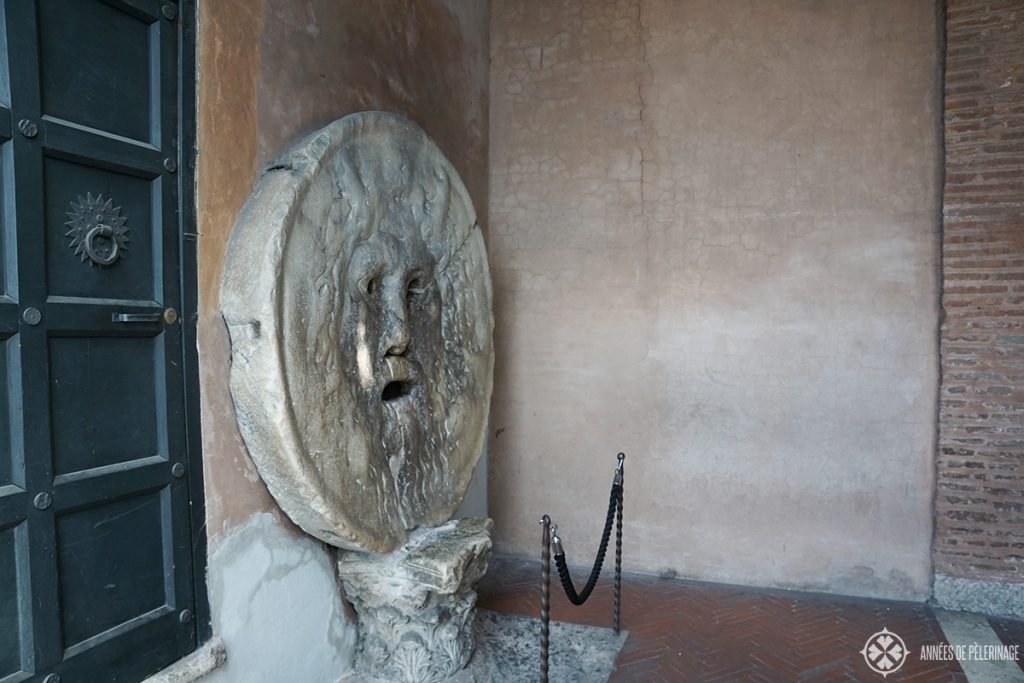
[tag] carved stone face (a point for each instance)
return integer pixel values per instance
(358, 300)
(392, 318)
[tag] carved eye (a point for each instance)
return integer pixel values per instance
(369, 285)
(414, 288)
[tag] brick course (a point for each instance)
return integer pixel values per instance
(980, 499)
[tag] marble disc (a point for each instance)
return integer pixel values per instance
(357, 297)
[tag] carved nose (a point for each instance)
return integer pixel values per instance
(396, 334)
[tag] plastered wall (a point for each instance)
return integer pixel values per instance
(269, 72)
(714, 238)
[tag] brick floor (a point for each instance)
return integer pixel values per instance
(693, 631)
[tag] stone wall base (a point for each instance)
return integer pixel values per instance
(996, 598)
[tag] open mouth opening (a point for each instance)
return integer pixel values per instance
(395, 390)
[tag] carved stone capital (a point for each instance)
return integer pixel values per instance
(416, 604)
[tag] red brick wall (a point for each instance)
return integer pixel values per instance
(980, 500)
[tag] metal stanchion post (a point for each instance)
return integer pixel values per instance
(619, 475)
(550, 540)
(545, 595)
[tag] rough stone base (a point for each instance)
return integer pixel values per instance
(415, 604)
(986, 597)
(508, 651)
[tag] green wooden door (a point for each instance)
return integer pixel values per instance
(96, 578)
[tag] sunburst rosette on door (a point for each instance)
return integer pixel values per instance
(97, 230)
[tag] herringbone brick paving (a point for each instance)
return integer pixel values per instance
(693, 631)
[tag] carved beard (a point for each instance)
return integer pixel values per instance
(411, 429)
(405, 426)
(400, 413)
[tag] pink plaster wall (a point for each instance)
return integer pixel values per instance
(714, 238)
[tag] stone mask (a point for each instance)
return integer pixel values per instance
(358, 300)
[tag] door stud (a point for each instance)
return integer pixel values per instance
(28, 128)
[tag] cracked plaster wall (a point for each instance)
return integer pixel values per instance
(271, 71)
(714, 239)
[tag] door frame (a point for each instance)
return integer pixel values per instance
(189, 273)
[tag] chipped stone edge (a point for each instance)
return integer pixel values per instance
(997, 598)
(211, 655)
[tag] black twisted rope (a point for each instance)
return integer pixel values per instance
(617, 611)
(563, 571)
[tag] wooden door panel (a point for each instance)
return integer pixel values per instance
(9, 311)
(10, 614)
(104, 400)
(5, 78)
(7, 466)
(100, 67)
(79, 194)
(128, 657)
(98, 594)
(5, 182)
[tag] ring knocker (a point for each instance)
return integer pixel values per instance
(94, 255)
(97, 230)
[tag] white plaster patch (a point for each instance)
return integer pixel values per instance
(277, 607)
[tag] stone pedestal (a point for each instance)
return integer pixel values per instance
(416, 604)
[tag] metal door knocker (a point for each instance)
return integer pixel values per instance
(97, 230)
(101, 254)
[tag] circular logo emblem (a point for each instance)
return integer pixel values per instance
(885, 652)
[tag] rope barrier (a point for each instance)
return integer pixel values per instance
(563, 571)
(551, 541)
